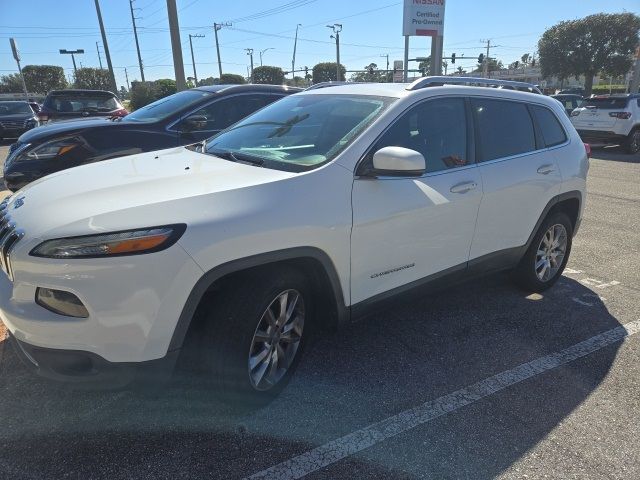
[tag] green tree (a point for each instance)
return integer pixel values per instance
(525, 59)
(164, 87)
(92, 78)
(10, 83)
(494, 65)
(143, 93)
(43, 78)
(371, 73)
(326, 72)
(231, 79)
(601, 43)
(296, 82)
(208, 81)
(460, 70)
(268, 75)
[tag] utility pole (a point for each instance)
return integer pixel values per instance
(99, 58)
(16, 56)
(293, 60)
(193, 61)
(337, 28)
(135, 35)
(216, 27)
(387, 57)
(112, 76)
(176, 46)
(73, 58)
(126, 75)
(635, 80)
(485, 67)
(250, 53)
(262, 53)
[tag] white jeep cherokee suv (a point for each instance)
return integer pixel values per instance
(613, 119)
(308, 213)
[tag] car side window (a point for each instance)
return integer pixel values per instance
(227, 111)
(503, 128)
(551, 129)
(435, 128)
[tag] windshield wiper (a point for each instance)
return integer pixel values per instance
(237, 157)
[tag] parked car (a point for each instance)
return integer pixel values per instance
(610, 119)
(572, 91)
(569, 101)
(16, 117)
(308, 213)
(185, 117)
(74, 104)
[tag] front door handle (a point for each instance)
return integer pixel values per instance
(546, 169)
(463, 187)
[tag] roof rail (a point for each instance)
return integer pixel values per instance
(316, 86)
(473, 81)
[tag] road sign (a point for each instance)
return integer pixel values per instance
(423, 18)
(14, 49)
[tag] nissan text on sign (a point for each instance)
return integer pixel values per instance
(423, 18)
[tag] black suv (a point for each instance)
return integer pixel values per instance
(72, 104)
(180, 119)
(16, 117)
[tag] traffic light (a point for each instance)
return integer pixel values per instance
(453, 58)
(481, 58)
(306, 72)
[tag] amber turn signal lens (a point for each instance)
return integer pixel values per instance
(137, 244)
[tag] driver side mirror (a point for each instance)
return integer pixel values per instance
(397, 162)
(194, 122)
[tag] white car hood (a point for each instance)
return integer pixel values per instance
(150, 179)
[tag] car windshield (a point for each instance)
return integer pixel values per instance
(606, 103)
(163, 108)
(300, 132)
(14, 108)
(72, 102)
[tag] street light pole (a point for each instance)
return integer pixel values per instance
(250, 53)
(73, 58)
(293, 60)
(262, 52)
(193, 61)
(337, 28)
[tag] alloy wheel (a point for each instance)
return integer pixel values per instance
(276, 340)
(551, 252)
(635, 141)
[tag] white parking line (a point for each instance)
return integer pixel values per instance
(373, 434)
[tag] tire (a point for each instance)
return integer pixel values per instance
(532, 275)
(632, 143)
(235, 327)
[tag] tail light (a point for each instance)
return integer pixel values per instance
(587, 149)
(621, 115)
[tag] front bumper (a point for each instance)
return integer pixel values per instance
(87, 369)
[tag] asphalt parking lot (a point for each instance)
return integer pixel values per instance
(479, 381)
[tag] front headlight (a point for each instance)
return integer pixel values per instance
(130, 242)
(49, 149)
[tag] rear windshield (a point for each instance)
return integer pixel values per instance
(163, 108)
(69, 103)
(606, 103)
(13, 108)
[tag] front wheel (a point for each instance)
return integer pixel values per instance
(632, 144)
(546, 257)
(255, 334)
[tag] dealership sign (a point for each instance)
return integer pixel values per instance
(423, 18)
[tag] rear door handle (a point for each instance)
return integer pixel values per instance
(546, 169)
(463, 187)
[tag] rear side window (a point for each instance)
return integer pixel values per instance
(503, 128)
(550, 127)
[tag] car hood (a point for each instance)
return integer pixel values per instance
(147, 188)
(43, 132)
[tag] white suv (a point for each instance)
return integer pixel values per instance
(306, 214)
(611, 119)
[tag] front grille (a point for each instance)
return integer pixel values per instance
(9, 237)
(12, 124)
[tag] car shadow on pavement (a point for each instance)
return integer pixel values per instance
(390, 362)
(614, 153)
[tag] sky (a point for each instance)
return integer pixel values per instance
(371, 30)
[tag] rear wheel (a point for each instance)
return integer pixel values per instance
(546, 257)
(254, 336)
(632, 144)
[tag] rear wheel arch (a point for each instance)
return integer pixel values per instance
(569, 203)
(313, 262)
